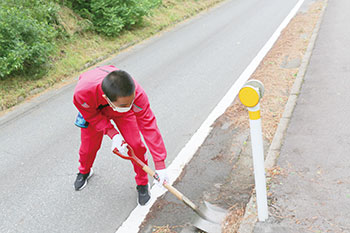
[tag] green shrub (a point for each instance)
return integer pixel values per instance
(26, 34)
(109, 17)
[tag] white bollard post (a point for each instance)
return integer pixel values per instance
(250, 96)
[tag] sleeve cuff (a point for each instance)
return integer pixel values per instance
(112, 132)
(159, 165)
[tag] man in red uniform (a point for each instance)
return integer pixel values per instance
(107, 94)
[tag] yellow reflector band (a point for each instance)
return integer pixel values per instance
(248, 96)
(254, 115)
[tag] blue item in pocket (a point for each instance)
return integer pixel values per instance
(81, 122)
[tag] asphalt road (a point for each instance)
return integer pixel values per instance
(185, 71)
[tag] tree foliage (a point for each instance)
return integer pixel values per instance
(109, 17)
(26, 34)
(29, 28)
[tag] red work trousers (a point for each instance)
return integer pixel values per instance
(91, 143)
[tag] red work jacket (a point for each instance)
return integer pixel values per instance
(95, 110)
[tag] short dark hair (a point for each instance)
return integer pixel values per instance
(118, 83)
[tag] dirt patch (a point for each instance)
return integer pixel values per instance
(213, 163)
(165, 229)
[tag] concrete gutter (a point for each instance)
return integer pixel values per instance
(250, 217)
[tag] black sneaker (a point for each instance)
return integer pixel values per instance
(143, 194)
(82, 179)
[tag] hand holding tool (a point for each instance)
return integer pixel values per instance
(162, 177)
(119, 144)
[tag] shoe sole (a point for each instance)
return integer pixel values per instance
(149, 191)
(86, 181)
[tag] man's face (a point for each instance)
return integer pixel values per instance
(121, 102)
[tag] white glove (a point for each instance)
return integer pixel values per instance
(163, 177)
(119, 143)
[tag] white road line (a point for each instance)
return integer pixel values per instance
(137, 216)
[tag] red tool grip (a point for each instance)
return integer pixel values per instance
(131, 156)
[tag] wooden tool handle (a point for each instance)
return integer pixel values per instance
(167, 186)
(149, 171)
(174, 191)
(171, 189)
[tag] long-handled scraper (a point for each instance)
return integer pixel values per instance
(209, 217)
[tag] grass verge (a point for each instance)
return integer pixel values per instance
(85, 49)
